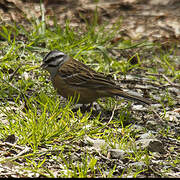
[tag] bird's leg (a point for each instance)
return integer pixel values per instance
(90, 106)
(85, 108)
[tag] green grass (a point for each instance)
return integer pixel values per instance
(55, 134)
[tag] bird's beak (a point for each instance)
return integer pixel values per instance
(43, 66)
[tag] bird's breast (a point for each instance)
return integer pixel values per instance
(85, 95)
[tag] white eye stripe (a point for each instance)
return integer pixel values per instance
(55, 59)
(53, 55)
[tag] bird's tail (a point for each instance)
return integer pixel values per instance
(119, 92)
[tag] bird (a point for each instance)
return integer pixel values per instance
(71, 78)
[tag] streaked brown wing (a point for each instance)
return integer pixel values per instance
(76, 73)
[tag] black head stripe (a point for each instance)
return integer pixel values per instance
(51, 56)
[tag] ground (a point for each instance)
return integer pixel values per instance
(131, 41)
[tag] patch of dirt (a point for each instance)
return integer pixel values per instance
(154, 20)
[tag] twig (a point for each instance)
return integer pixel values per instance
(165, 77)
(159, 117)
(155, 172)
(168, 80)
(112, 114)
(24, 151)
(102, 156)
(11, 145)
(11, 77)
(153, 74)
